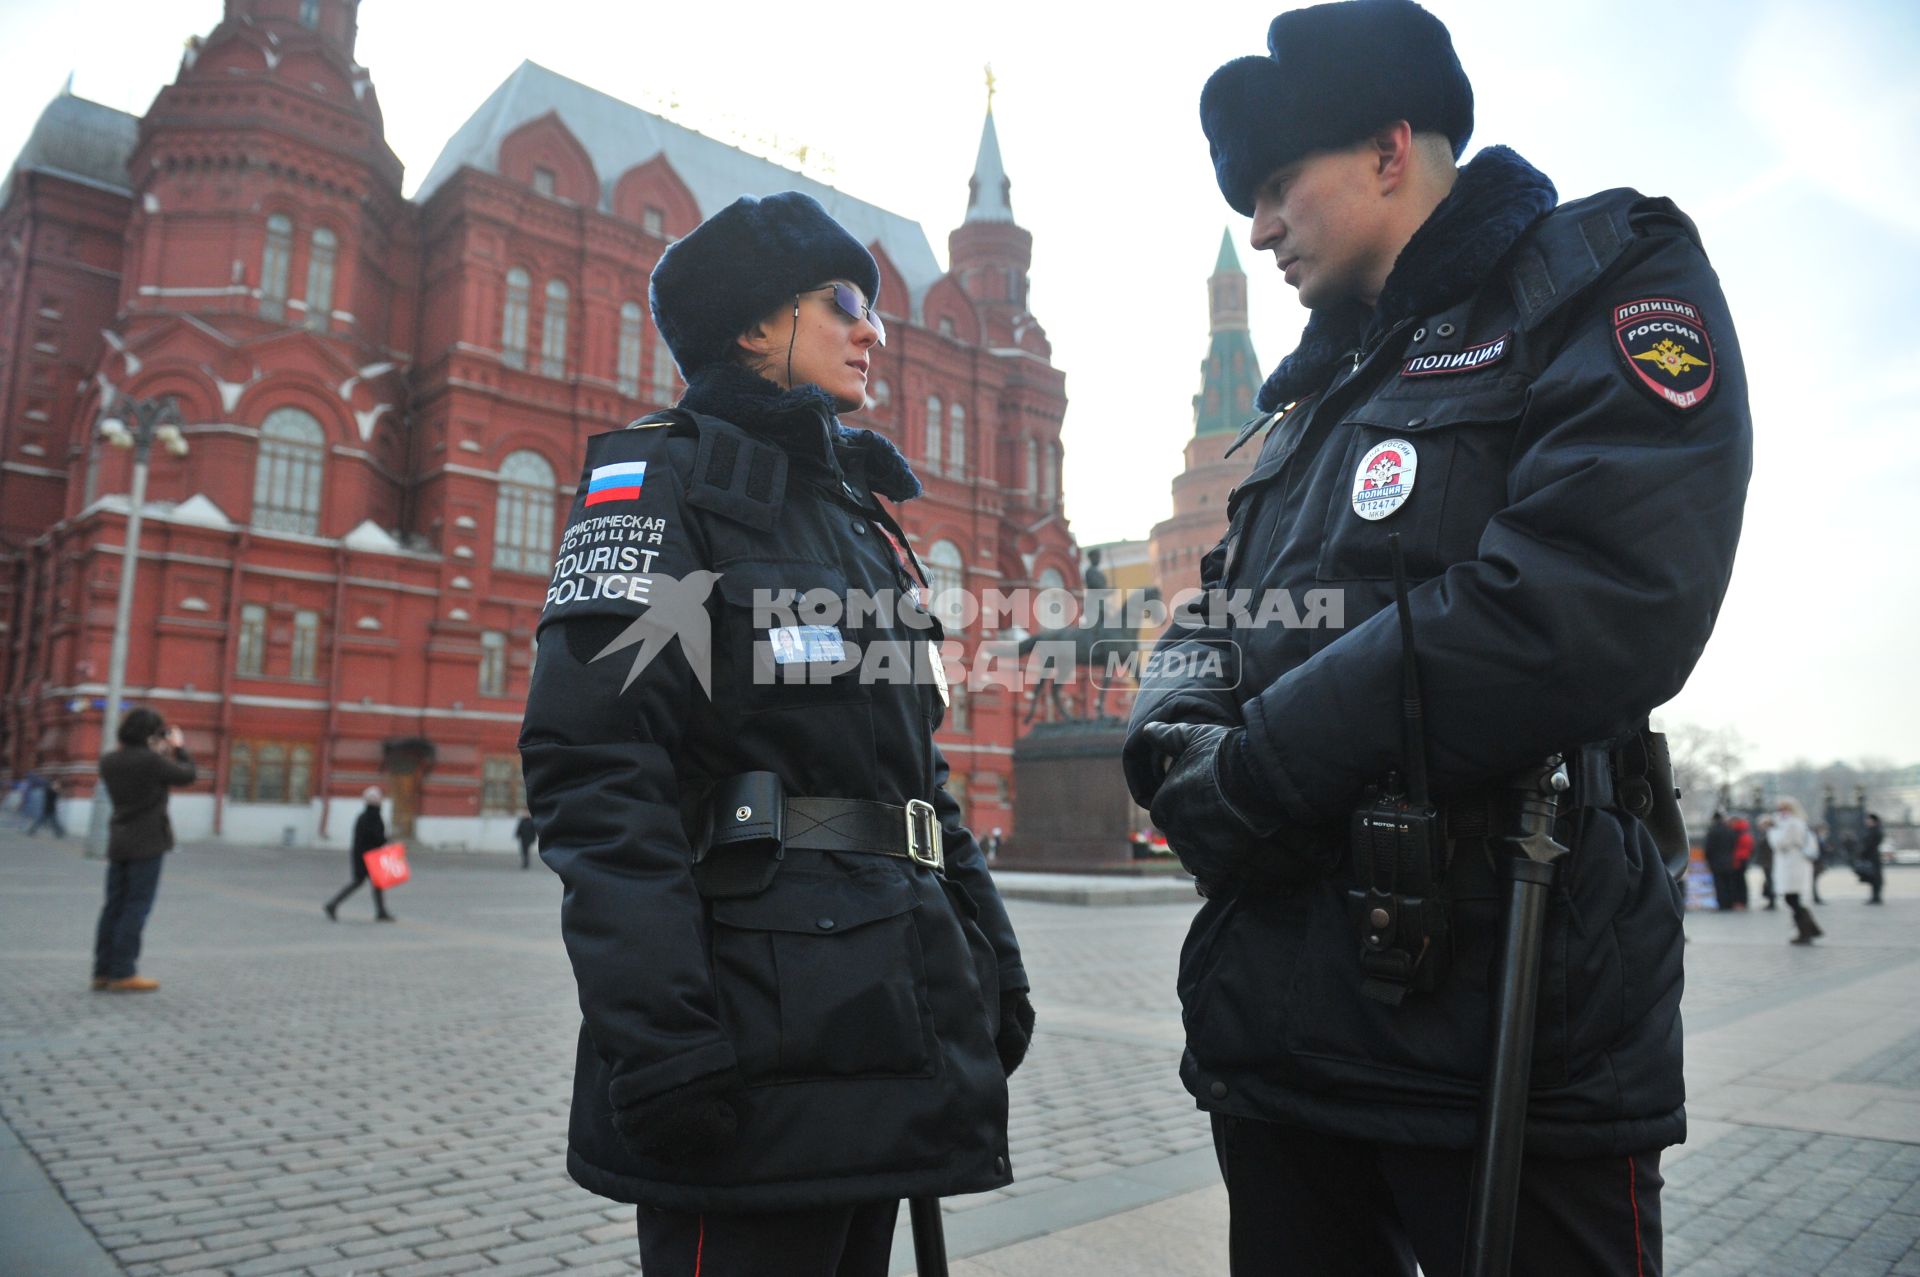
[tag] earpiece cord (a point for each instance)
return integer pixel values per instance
(791, 337)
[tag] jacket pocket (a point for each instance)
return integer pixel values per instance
(783, 639)
(823, 976)
(1432, 470)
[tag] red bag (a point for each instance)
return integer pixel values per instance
(387, 865)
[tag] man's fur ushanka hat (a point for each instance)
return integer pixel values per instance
(1332, 75)
(740, 264)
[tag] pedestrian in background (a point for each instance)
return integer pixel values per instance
(369, 831)
(1763, 856)
(1868, 865)
(1795, 849)
(1742, 858)
(49, 810)
(526, 832)
(1721, 840)
(151, 761)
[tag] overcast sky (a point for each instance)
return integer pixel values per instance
(1784, 129)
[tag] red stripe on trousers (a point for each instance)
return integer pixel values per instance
(1633, 1196)
(700, 1247)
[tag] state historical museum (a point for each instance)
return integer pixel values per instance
(386, 403)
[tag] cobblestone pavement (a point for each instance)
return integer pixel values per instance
(304, 1097)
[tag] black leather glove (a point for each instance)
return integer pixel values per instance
(1016, 1029)
(1145, 766)
(687, 1125)
(1213, 836)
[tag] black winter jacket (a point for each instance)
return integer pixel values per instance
(1564, 400)
(858, 994)
(369, 831)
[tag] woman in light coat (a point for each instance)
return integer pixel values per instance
(1795, 850)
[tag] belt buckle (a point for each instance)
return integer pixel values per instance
(924, 846)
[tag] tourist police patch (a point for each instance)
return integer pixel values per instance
(1384, 480)
(1664, 342)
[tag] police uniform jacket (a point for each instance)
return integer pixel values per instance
(857, 994)
(1548, 405)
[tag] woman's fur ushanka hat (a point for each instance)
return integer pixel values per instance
(741, 263)
(1332, 75)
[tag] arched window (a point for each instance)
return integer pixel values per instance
(1050, 579)
(1050, 478)
(513, 320)
(320, 279)
(957, 439)
(493, 663)
(286, 479)
(629, 366)
(553, 331)
(662, 373)
(309, 13)
(1033, 469)
(240, 772)
(523, 514)
(933, 433)
(946, 578)
(275, 260)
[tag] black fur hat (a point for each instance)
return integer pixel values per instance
(741, 263)
(1334, 73)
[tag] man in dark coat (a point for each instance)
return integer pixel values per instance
(1872, 871)
(151, 761)
(369, 831)
(1547, 405)
(1722, 838)
(800, 989)
(526, 832)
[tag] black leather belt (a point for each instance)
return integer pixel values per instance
(911, 832)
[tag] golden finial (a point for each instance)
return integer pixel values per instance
(990, 84)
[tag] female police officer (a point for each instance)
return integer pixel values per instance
(801, 992)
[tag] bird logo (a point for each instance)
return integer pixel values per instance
(1670, 355)
(679, 608)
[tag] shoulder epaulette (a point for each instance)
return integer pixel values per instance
(736, 475)
(1568, 249)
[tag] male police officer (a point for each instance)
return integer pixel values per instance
(1546, 404)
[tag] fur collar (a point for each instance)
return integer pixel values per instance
(800, 421)
(1496, 198)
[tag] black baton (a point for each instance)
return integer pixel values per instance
(929, 1238)
(1503, 1103)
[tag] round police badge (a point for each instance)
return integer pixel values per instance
(1384, 480)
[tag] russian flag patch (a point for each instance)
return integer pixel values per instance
(618, 482)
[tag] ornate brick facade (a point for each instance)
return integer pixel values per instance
(387, 400)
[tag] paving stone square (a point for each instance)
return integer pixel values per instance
(345, 1098)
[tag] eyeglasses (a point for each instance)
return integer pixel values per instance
(848, 302)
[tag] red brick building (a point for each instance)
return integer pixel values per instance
(386, 402)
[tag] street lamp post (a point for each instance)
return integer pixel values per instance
(130, 423)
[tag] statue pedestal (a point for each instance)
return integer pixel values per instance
(1073, 812)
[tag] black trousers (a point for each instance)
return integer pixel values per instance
(360, 875)
(131, 887)
(1872, 872)
(1803, 924)
(847, 1241)
(1323, 1206)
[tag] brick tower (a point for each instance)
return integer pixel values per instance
(1229, 379)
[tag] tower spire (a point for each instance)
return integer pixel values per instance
(989, 191)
